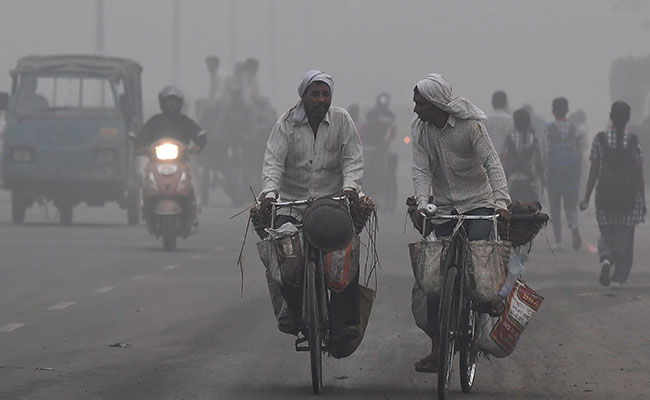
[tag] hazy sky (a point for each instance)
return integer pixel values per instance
(534, 50)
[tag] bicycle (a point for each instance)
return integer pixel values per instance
(315, 298)
(457, 317)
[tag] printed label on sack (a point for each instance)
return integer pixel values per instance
(523, 302)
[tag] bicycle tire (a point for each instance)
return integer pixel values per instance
(314, 330)
(468, 351)
(447, 331)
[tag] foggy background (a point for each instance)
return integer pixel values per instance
(534, 50)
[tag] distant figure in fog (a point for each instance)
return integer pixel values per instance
(377, 134)
(250, 85)
(212, 63)
(537, 122)
(499, 121)
(563, 155)
(28, 100)
(617, 174)
(522, 160)
(380, 129)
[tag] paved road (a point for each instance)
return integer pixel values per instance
(182, 330)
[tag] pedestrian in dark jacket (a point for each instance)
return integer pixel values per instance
(617, 174)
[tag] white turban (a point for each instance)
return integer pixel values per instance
(297, 114)
(437, 90)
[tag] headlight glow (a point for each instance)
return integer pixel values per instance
(167, 151)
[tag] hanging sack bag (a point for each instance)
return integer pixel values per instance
(342, 266)
(498, 336)
(488, 269)
(426, 260)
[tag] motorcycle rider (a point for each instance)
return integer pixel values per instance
(171, 123)
(380, 129)
(378, 132)
(314, 151)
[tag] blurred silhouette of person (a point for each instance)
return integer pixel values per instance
(537, 122)
(617, 175)
(499, 121)
(380, 129)
(212, 63)
(522, 160)
(563, 154)
(250, 85)
(29, 101)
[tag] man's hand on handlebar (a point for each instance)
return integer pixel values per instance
(267, 204)
(351, 194)
(504, 215)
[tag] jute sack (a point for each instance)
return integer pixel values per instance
(366, 298)
(268, 252)
(488, 269)
(426, 260)
(283, 259)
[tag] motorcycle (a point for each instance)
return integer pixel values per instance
(169, 206)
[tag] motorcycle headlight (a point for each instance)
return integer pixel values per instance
(167, 151)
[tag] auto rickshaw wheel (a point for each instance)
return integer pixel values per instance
(18, 208)
(133, 207)
(65, 214)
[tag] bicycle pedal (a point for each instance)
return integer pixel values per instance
(300, 341)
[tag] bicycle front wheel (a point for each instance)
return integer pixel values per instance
(448, 331)
(468, 351)
(314, 330)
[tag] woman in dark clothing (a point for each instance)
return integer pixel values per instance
(617, 174)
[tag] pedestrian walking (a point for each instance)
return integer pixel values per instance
(522, 160)
(563, 153)
(617, 174)
(499, 121)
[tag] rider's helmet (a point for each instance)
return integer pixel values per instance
(383, 100)
(171, 100)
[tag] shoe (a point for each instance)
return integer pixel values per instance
(617, 285)
(605, 278)
(557, 246)
(577, 240)
(344, 334)
(286, 324)
(428, 364)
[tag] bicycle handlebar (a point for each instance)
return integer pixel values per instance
(458, 217)
(281, 204)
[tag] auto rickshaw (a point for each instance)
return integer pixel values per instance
(66, 138)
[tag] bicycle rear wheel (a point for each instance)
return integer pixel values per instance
(314, 330)
(448, 331)
(468, 351)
